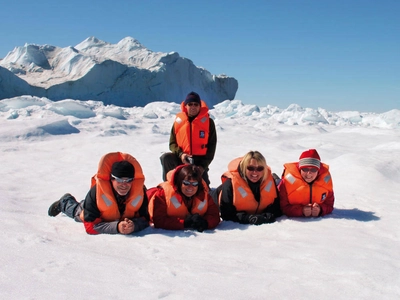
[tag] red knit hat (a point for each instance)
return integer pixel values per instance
(310, 158)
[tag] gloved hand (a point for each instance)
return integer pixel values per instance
(257, 219)
(188, 223)
(195, 221)
(270, 217)
(190, 220)
(200, 224)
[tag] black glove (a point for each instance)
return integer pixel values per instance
(270, 217)
(257, 219)
(200, 224)
(195, 221)
(190, 219)
(188, 223)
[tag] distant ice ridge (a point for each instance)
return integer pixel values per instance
(124, 74)
(33, 107)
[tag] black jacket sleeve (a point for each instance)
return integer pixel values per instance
(144, 209)
(91, 211)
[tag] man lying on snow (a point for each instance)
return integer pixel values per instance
(116, 202)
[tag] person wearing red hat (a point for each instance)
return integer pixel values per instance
(306, 188)
(193, 138)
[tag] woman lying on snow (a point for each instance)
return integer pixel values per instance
(306, 189)
(183, 202)
(248, 194)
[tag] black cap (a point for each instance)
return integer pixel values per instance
(123, 169)
(192, 97)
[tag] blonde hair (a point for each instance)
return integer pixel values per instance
(245, 162)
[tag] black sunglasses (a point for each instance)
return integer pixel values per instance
(258, 169)
(186, 183)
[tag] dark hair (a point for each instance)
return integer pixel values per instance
(188, 172)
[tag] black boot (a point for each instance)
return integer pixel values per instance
(55, 208)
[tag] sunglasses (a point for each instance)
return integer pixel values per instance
(193, 104)
(252, 168)
(120, 180)
(186, 183)
(311, 170)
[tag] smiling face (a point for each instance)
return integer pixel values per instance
(189, 187)
(122, 188)
(188, 181)
(253, 167)
(193, 109)
(309, 174)
(254, 171)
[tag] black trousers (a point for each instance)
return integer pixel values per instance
(170, 161)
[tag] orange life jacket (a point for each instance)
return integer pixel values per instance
(105, 198)
(300, 192)
(175, 205)
(177, 208)
(243, 198)
(192, 137)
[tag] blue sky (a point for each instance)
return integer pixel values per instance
(338, 55)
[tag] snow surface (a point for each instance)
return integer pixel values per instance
(50, 148)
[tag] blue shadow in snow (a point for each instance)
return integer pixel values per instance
(353, 214)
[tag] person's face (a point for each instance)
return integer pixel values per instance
(193, 109)
(309, 174)
(122, 185)
(254, 171)
(189, 187)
